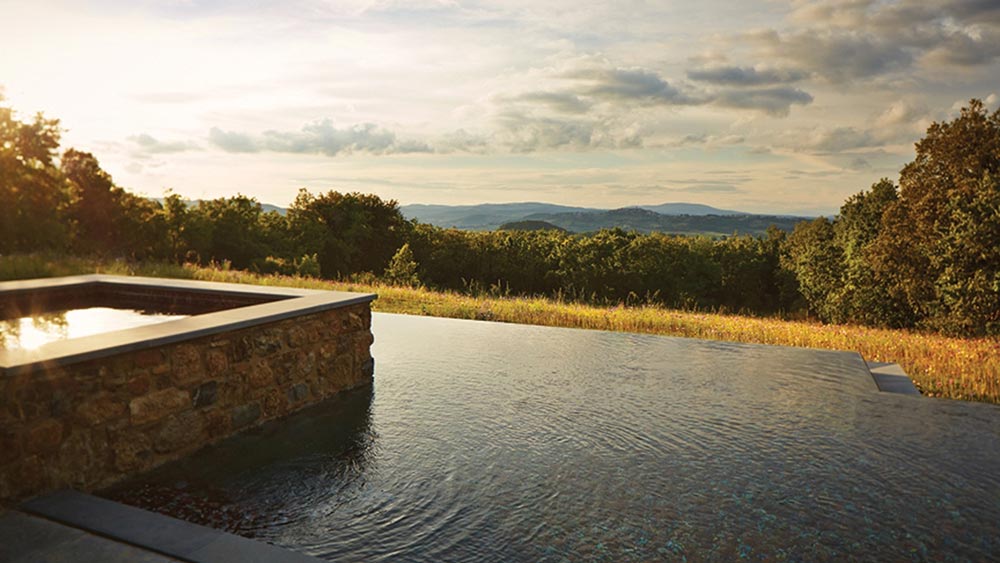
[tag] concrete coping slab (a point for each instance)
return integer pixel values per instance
(156, 532)
(282, 303)
(891, 378)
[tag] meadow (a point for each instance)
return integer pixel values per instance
(940, 366)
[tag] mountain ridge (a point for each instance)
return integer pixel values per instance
(675, 217)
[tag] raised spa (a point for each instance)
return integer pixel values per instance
(102, 377)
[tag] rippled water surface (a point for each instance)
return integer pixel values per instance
(508, 443)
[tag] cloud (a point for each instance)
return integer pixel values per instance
(847, 40)
(630, 85)
(150, 144)
(902, 113)
(859, 163)
(463, 141)
(710, 189)
(707, 140)
(965, 48)
(232, 141)
(773, 101)
(745, 76)
(839, 139)
(564, 102)
(168, 97)
(619, 91)
(837, 56)
(522, 132)
(318, 138)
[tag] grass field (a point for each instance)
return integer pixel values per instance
(940, 366)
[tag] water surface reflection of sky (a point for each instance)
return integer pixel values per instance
(29, 333)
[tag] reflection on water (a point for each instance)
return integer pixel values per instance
(28, 333)
(507, 443)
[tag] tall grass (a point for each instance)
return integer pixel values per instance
(940, 366)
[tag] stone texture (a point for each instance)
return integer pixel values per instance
(45, 436)
(268, 342)
(180, 430)
(10, 445)
(245, 415)
(186, 365)
(89, 425)
(298, 393)
(205, 394)
(216, 362)
(98, 409)
(158, 404)
(133, 451)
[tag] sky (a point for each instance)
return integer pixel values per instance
(762, 106)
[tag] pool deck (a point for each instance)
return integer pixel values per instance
(75, 527)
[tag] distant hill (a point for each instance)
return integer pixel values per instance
(530, 226)
(678, 218)
(482, 217)
(265, 207)
(688, 209)
(488, 216)
(646, 221)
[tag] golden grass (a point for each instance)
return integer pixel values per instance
(940, 366)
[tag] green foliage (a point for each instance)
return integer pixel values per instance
(228, 229)
(832, 262)
(349, 233)
(308, 266)
(811, 253)
(402, 269)
(937, 250)
(107, 218)
(32, 193)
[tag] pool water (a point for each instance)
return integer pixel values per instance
(28, 333)
(508, 443)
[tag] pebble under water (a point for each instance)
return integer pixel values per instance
(509, 443)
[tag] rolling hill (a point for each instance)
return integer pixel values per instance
(676, 218)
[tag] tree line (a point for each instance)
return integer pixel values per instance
(922, 253)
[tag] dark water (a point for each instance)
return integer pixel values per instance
(509, 443)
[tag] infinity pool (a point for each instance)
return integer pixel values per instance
(507, 443)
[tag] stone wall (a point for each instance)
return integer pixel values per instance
(90, 424)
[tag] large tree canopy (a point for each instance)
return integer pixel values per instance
(32, 192)
(939, 247)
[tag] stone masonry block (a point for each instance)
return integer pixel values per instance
(245, 415)
(45, 436)
(158, 404)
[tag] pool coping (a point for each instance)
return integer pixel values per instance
(287, 303)
(155, 532)
(890, 378)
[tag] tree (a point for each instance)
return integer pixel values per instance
(228, 229)
(32, 192)
(402, 269)
(811, 253)
(349, 233)
(937, 247)
(96, 207)
(864, 296)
